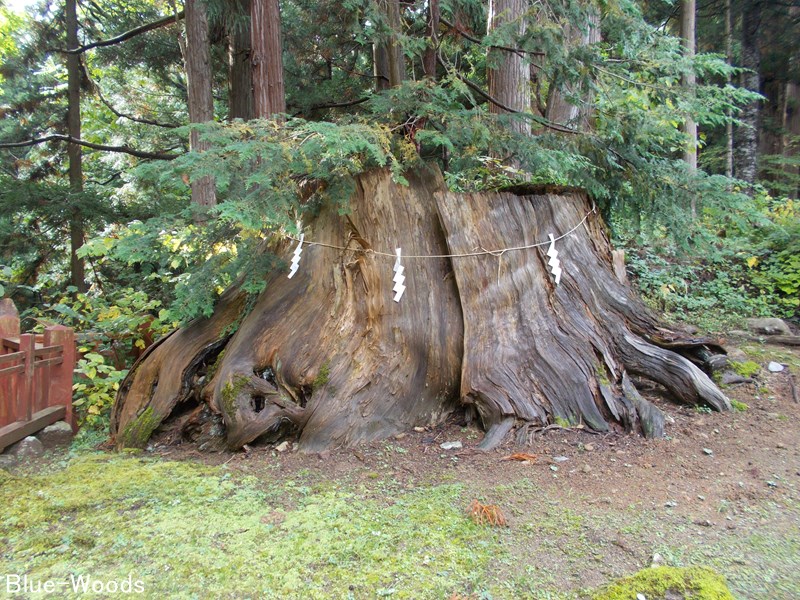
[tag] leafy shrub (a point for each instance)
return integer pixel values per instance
(742, 261)
(111, 329)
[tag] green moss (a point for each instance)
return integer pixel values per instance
(137, 432)
(601, 374)
(212, 369)
(323, 375)
(739, 406)
(5, 477)
(562, 422)
(111, 516)
(230, 391)
(746, 369)
(695, 583)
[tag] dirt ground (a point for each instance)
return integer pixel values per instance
(721, 490)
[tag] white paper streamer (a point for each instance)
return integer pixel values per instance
(399, 278)
(555, 264)
(296, 257)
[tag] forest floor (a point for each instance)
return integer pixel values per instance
(391, 519)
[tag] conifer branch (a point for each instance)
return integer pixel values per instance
(128, 34)
(57, 137)
(475, 40)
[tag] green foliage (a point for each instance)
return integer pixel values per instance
(95, 388)
(111, 329)
(740, 261)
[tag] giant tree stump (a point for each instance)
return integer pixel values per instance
(329, 357)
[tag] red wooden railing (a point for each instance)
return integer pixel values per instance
(35, 377)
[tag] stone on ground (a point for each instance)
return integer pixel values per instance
(55, 435)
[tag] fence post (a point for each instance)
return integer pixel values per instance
(61, 375)
(9, 328)
(25, 394)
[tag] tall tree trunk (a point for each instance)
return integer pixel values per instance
(791, 113)
(268, 86)
(559, 109)
(508, 73)
(746, 135)
(688, 40)
(76, 231)
(201, 100)
(388, 61)
(728, 113)
(333, 358)
(432, 33)
(240, 66)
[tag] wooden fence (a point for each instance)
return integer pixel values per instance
(35, 377)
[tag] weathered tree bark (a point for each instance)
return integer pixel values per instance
(240, 67)
(328, 357)
(267, 48)
(76, 229)
(508, 73)
(746, 135)
(201, 101)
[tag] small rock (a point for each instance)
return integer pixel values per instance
(670, 504)
(55, 435)
(27, 447)
(731, 378)
(399, 436)
(589, 447)
(553, 468)
(691, 329)
(657, 560)
(450, 445)
(282, 447)
(419, 429)
(708, 451)
(769, 326)
(775, 367)
(641, 597)
(704, 523)
(586, 469)
(718, 362)
(772, 484)
(559, 459)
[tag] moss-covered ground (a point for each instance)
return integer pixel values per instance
(186, 530)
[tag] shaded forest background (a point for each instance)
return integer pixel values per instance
(150, 152)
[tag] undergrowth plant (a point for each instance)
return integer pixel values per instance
(111, 331)
(740, 263)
